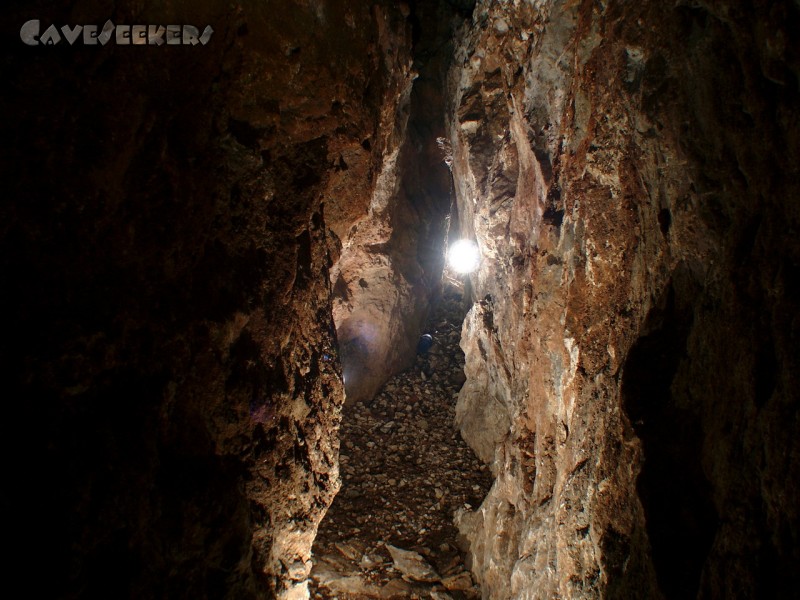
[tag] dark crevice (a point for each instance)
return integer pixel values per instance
(676, 496)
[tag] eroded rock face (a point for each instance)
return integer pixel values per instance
(391, 247)
(631, 355)
(168, 234)
(176, 218)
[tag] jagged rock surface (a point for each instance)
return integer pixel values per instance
(167, 239)
(629, 171)
(173, 220)
(392, 245)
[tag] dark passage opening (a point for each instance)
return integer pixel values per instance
(676, 496)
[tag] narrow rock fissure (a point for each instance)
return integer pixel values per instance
(405, 467)
(219, 257)
(405, 471)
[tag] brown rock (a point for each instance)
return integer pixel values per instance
(412, 565)
(195, 240)
(170, 229)
(458, 582)
(626, 353)
(396, 588)
(352, 550)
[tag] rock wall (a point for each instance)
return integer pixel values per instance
(629, 171)
(185, 229)
(392, 252)
(172, 381)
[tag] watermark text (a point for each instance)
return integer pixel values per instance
(123, 35)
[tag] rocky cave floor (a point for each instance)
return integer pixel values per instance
(405, 471)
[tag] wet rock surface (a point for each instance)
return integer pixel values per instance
(406, 471)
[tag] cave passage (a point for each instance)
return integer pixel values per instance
(219, 258)
(405, 470)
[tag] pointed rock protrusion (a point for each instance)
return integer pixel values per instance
(412, 565)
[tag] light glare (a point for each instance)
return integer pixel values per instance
(463, 256)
